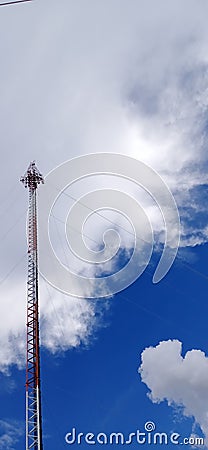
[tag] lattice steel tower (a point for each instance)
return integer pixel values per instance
(31, 180)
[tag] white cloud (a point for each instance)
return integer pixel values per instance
(179, 380)
(65, 322)
(122, 76)
(10, 434)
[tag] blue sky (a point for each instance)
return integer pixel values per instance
(98, 388)
(119, 77)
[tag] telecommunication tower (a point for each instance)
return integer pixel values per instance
(31, 180)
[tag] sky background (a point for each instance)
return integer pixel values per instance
(123, 77)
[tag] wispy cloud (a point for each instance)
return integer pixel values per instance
(10, 432)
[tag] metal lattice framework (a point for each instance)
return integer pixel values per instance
(31, 180)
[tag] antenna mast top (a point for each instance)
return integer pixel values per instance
(32, 177)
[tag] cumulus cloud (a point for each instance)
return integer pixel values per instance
(179, 380)
(94, 77)
(68, 322)
(65, 322)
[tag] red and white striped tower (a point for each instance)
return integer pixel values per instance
(31, 180)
